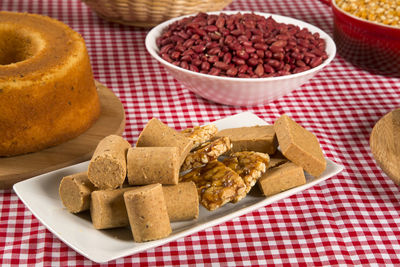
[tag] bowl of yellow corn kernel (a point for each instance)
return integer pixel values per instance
(367, 33)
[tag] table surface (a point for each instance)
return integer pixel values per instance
(352, 218)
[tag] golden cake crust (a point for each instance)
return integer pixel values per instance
(47, 90)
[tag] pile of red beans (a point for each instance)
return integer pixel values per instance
(240, 45)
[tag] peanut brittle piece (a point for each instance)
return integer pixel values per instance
(216, 184)
(200, 134)
(206, 152)
(249, 165)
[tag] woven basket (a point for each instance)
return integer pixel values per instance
(148, 13)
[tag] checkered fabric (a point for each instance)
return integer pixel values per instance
(352, 218)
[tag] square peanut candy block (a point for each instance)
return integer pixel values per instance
(255, 138)
(300, 146)
(281, 178)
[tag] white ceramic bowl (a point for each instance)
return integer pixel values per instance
(240, 91)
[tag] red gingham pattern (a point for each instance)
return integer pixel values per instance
(350, 219)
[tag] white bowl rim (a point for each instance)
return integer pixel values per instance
(153, 49)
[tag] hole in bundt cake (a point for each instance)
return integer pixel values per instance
(15, 46)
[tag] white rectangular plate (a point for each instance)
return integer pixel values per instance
(40, 195)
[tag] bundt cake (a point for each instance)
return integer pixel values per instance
(47, 90)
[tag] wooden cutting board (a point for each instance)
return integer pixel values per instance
(81, 148)
(385, 144)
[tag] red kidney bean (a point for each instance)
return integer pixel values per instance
(211, 28)
(175, 55)
(205, 65)
(220, 22)
(243, 69)
(193, 68)
(236, 32)
(284, 36)
(164, 42)
(200, 32)
(260, 53)
(279, 43)
(253, 56)
(232, 71)
(238, 61)
(166, 48)
(252, 62)
(188, 52)
(300, 63)
(188, 43)
(184, 65)
(315, 62)
(183, 34)
(249, 49)
(247, 43)
(279, 56)
(242, 54)
(270, 40)
(166, 58)
(295, 50)
(221, 65)
(214, 51)
(213, 59)
(296, 55)
(180, 48)
(229, 39)
(276, 49)
(274, 63)
(243, 39)
(308, 54)
(317, 52)
(286, 68)
(210, 45)
(300, 69)
(211, 20)
(214, 71)
(268, 54)
(237, 47)
(240, 45)
(257, 38)
(196, 62)
(198, 48)
(186, 58)
(259, 71)
(227, 58)
(224, 31)
(260, 46)
(268, 68)
(215, 35)
(283, 73)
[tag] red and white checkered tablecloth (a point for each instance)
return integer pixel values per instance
(351, 219)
